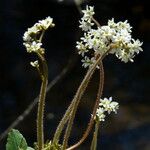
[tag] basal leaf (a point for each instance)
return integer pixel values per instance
(16, 141)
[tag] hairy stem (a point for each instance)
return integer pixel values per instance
(41, 104)
(62, 124)
(91, 122)
(75, 101)
(94, 140)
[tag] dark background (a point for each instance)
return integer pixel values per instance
(126, 83)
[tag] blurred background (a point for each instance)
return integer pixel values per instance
(126, 83)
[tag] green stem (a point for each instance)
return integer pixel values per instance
(41, 104)
(94, 141)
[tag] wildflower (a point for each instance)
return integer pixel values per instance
(85, 25)
(33, 47)
(88, 13)
(87, 62)
(31, 36)
(86, 21)
(82, 48)
(106, 105)
(46, 23)
(99, 40)
(109, 105)
(100, 114)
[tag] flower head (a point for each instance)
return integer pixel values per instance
(99, 40)
(33, 46)
(106, 105)
(86, 21)
(109, 105)
(100, 114)
(31, 36)
(46, 23)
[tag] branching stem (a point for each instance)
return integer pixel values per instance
(74, 104)
(77, 99)
(91, 122)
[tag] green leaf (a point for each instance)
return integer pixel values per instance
(16, 141)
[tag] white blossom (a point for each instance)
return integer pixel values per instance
(123, 36)
(86, 20)
(33, 47)
(30, 32)
(82, 48)
(35, 64)
(100, 114)
(87, 62)
(109, 105)
(31, 36)
(85, 25)
(135, 46)
(88, 13)
(124, 26)
(106, 105)
(99, 40)
(46, 23)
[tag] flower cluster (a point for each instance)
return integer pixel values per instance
(32, 40)
(86, 20)
(106, 105)
(99, 41)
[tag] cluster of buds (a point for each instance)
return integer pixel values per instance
(106, 105)
(32, 40)
(98, 40)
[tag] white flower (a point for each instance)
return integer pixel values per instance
(35, 64)
(107, 32)
(111, 23)
(28, 34)
(109, 105)
(106, 105)
(124, 25)
(46, 23)
(124, 56)
(123, 36)
(87, 62)
(100, 40)
(114, 106)
(88, 13)
(33, 47)
(31, 41)
(85, 25)
(82, 48)
(86, 20)
(100, 114)
(135, 46)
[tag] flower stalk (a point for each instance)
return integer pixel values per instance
(33, 43)
(94, 140)
(41, 105)
(96, 105)
(74, 109)
(74, 104)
